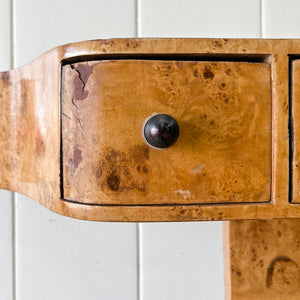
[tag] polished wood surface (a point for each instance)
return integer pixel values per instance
(295, 131)
(223, 154)
(262, 259)
(33, 162)
(29, 138)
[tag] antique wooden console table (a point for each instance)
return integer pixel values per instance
(150, 130)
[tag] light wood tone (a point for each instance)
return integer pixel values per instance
(262, 259)
(30, 123)
(223, 153)
(295, 66)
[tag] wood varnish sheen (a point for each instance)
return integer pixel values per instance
(71, 127)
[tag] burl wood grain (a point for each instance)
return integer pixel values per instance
(262, 259)
(295, 131)
(223, 153)
(32, 158)
(29, 135)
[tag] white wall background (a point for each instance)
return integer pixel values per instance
(47, 256)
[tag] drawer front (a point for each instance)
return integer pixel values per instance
(223, 152)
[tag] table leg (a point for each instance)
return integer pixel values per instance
(262, 259)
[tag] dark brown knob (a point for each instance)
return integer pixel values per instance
(161, 131)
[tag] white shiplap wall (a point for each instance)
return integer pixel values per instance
(280, 19)
(46, 256)
(57, 257)
(185, 261)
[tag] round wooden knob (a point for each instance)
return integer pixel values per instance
(161, 131)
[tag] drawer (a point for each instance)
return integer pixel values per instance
(222, 154)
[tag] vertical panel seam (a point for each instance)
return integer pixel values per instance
(140, 231)
(261, 19)
(12, 35)
(137, 14)
(13, 199)
(14, 245)
(138, 260)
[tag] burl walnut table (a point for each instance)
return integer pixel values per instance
(150, 130)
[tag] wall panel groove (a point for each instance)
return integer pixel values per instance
(59, 257)
(6, 200)
(184, 261)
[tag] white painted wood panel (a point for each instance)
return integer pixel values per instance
(58, 257)
(6, 246)
(185, 261)
(199, 18)
(42, 25)
(6, 198)
(181, 261)
(69, 259)
(280, 19)
(5, 30)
